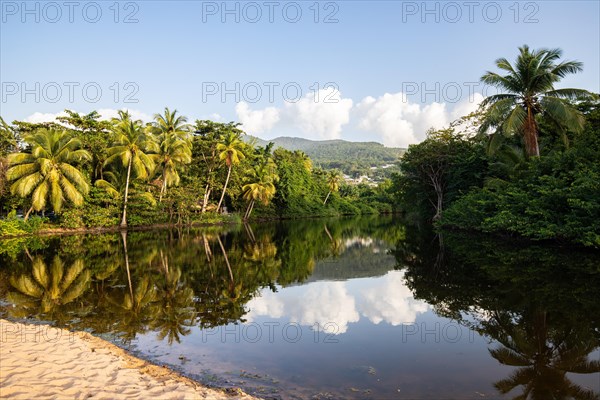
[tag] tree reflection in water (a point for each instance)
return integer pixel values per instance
(539, 306)
(167, 281)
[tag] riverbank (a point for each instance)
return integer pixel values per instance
(48, 230)
(40, 361)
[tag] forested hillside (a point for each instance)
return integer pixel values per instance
(352, 158)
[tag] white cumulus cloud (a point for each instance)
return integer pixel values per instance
(398, 121)
(38, 117)
(256, 121)
(320, 114)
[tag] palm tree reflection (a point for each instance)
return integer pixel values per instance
(48, 290)
(176, 313)
(543, 354)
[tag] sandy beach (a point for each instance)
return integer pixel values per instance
(42, 362)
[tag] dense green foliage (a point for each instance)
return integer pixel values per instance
(86, 172)
(495, 181)
(554, 196)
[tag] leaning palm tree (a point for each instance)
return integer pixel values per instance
(334, 178)
(261, 190)
(530, 94)
(175, 147)
(47, 173)
(131, 149)
(231, 151)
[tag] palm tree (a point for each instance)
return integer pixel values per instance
(530, 93)
(47, 173)
(334, 178)
(262, 190)
(231, 151)
(175, 147)
(131, 149)
(93, 134)
(262, 178)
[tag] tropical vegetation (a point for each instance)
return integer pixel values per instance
(526, 163)
(82, 171)
(530, 169)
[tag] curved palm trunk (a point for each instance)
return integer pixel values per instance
(224, 189)
(249, 232)
(531, 135)
(28, 212)
(226, 259)
(249, 209)
(328, 233)
(327, 197)
(124, 219)
(124, 238)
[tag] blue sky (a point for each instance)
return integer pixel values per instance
(396, 67)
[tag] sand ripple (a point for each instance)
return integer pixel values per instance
(48, 363)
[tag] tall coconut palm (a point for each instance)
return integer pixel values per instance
(175, 147)
(530, 93)
(231, 151)
(131, 149)
(47, 173)
(334, 177)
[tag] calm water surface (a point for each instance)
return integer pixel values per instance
(358, 308)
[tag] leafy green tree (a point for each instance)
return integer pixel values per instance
(175, 147)
(205, 157)
(8, 144)
(131, 149)
(48, 172)
(298, 188)
(334, 177)
(231, 151)
(8, 138)
(437, 170)
(530, 94)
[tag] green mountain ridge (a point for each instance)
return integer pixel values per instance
(352, 158)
